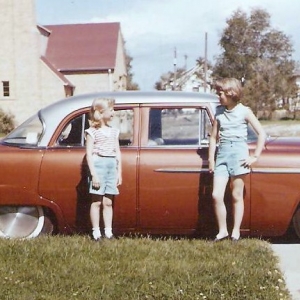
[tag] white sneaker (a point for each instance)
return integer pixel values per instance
(108, 233)
(110, 237)
(96, 234)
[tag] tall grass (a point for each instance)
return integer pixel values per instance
(75, 267)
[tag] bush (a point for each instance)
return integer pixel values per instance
(7, 122)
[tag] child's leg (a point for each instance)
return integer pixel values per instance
(95, 215)
(108, 215)
(238, 204)
(219, 186)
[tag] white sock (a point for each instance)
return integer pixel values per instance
(108, 232)
(96, 233)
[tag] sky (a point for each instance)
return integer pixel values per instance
(153, 29)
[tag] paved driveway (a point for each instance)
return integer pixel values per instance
(289, 261)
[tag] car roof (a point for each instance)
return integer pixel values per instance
(54, 113)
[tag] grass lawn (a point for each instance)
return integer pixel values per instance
(282, 128)
(74, 267)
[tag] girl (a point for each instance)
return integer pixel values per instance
(232, 157)
(104, 161)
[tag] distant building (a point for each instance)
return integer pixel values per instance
(297, 80)
(42, 64)
(192, 80)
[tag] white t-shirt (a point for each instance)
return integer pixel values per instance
(105, 139)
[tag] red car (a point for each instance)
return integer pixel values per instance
(166, 185)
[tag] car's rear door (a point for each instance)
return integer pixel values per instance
(174, 183)
(171, 162)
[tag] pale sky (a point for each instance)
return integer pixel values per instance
(152, 29)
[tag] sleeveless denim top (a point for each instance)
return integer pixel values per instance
(232, 123)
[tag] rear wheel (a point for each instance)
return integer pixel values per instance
(23, 222)
(296, 222)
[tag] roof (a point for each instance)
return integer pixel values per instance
(55, 112)
(83, 47)
(58, 74)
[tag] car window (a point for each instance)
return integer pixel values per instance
(27, 133)
(252, 136)
(179, 127)
(73, 133)
(123, 120)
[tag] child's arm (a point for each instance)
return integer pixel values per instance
(89, 154)
(212, 146)
(119, 161)
(261, 136)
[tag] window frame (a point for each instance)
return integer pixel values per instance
(5, 88)
(204, 123)
(61, 141)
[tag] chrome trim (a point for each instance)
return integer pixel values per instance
(181, 170)
(276, 170)
(205, 170)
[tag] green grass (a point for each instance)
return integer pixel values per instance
(280, 122)
(75, 267)
(283, 128)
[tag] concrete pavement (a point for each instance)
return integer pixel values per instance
(289, 263)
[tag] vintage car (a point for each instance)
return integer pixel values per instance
(166, 184)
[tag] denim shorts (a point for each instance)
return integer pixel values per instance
(106, 169)
(230, 155)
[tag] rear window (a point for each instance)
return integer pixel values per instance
(179, 127)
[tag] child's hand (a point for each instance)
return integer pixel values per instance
(95, 182)
(119, 180)
(211, 166)
(248, 161)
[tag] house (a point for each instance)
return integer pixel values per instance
(40, 64)
(191, 80)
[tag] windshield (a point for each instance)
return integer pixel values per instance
(27, 133)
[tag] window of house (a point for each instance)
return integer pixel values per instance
(73, 133)
(179, 127)
(5, 88)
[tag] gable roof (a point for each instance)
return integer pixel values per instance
(83, 47)
(58, 74)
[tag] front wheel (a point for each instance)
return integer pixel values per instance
(22, 222)
(296, 222)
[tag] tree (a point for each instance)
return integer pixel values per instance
(128, 59)
(130, 84)
(202, 66)
(261, 56)
(167, 80)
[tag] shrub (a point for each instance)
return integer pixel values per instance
(7, 122)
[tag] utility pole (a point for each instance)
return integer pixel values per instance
(205, 63)
(175, 69)
(185, 62)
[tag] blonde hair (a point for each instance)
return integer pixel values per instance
(231, 87)
(98, 106)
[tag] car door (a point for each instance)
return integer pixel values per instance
(64, 171)
(175, 185)
(171, 162)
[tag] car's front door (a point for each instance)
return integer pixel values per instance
(64, 172)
